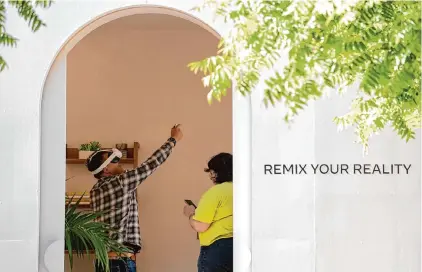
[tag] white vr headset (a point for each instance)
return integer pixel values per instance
(115, 153)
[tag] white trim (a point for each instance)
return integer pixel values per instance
(241, 149)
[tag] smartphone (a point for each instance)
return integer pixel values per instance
(189, 202)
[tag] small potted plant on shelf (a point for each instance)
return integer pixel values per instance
(85, 150)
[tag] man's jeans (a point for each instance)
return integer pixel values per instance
(123, 265)
(217, 257)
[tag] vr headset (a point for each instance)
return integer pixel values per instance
(114, 156)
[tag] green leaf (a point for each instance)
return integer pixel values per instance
(327, 50)
(26, 10)
(3, 64)
(83, 232)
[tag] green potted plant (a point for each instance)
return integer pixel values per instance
(85, 150)
(84, 235)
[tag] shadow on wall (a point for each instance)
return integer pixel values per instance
(128, 81)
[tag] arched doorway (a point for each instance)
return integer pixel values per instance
(53, 112)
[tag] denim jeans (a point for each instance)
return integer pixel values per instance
(217, 257)
(123, 265)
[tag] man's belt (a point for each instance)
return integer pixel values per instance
(116, 256)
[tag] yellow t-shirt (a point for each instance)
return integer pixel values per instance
(216, 208)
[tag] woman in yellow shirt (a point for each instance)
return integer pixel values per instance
(213, 218)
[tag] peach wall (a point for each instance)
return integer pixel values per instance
(127, 84)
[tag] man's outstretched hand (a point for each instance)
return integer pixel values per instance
(176, 132)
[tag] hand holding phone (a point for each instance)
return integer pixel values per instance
(189, 202)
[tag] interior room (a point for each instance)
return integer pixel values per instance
(127, 84)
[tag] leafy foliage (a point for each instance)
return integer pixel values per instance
(91, 146)
(27, 10)
(83, 233)
(324, 45)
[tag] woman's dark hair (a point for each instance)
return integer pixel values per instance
(222, 165)
(94, 161)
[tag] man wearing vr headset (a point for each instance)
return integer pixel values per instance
(115, 193)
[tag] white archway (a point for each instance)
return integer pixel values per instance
(53, 128)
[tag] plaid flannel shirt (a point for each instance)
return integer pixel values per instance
(116, 197)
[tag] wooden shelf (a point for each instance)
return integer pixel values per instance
(72, 155)
(82, 161)
(85, 205)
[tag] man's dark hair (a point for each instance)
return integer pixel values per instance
(94, 161)
(222, 165)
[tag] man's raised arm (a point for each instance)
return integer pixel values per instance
(133, 178)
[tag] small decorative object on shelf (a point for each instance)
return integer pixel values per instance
(85, 150)
(123, 148)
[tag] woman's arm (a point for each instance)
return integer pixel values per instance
(201, 218)
(197, 225)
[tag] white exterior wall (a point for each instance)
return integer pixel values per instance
(302, 223)
(26, 199)
(332, 223)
